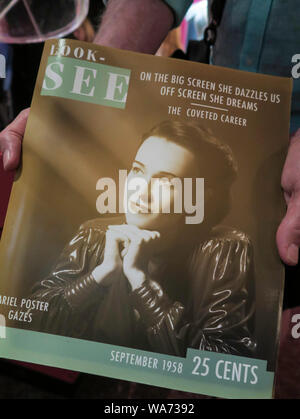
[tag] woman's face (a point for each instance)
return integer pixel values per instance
(151, 205)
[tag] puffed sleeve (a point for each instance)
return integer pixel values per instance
(70, 289)
(220, 313)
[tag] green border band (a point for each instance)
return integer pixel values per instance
(94, 358)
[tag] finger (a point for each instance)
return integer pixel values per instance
(90, 32)
(148, 235)
(11, 141)
(124, 251)
(116, 226)
(125, 229)
(113, 243)
(80, 34)
(132, 232)
(117, 236)
(288, 234)
(12, 153)
(140, 234)
(135, 232)
(287, 197)
(119, 229)
(154, 234)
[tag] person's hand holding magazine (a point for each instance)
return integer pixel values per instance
(11, 141)
(288, 234)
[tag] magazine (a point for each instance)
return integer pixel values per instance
(139, 241)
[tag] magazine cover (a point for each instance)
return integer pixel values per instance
(140, 237)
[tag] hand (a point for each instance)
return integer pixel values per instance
(136, 253)
(85, 32)
(170, 44)
(112, 261)
(288, 234)
(11, 141)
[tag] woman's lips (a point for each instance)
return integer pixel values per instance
(137, 208)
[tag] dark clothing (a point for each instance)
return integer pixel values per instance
(203, 297)
(261, 37)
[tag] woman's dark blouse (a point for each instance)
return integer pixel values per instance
(208, 305)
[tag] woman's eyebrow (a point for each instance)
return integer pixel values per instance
(159, 174)
(166, 174)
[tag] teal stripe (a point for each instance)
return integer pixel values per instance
(96, 358)
(258, 16)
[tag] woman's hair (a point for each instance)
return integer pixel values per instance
(214, 161)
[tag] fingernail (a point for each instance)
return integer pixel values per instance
(6, 158)
(293, 253)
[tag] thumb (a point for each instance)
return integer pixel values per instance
(11, 141)
(288, 233)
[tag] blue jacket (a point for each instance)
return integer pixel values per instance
(257, 36)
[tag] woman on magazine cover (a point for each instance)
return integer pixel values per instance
(152, 281)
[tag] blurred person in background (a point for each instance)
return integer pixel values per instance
(197, 20)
